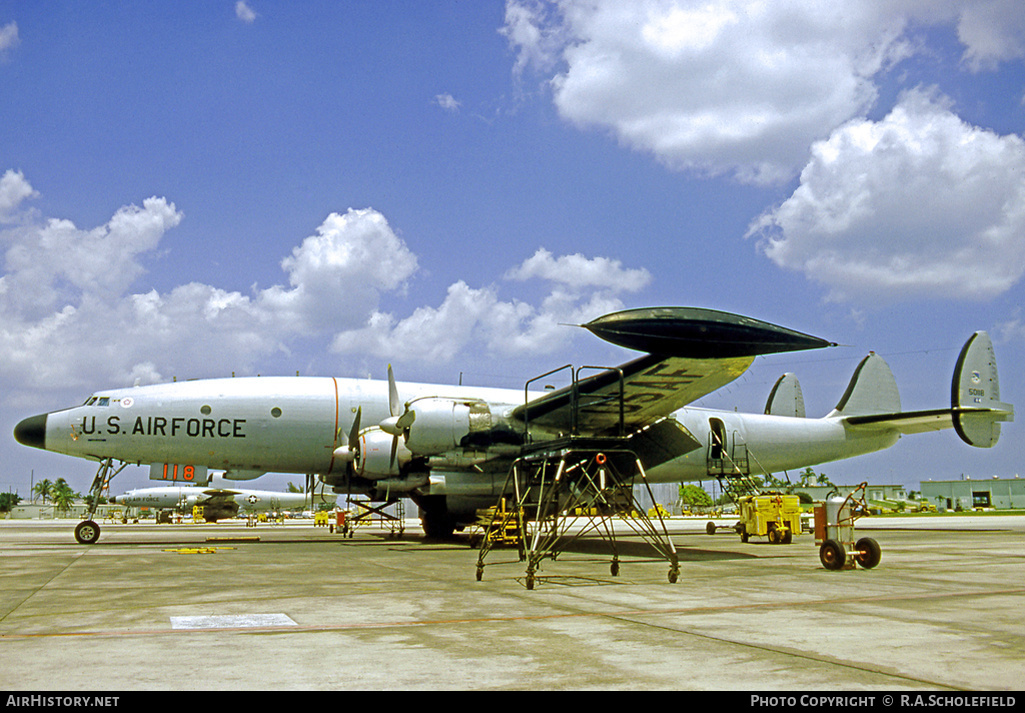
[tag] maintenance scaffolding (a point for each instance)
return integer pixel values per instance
(565, 489)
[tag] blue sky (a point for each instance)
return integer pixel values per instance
(191, 190)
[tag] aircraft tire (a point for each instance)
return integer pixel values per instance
(87, 532)
(869, 552)
(832, 555)
(434, 517)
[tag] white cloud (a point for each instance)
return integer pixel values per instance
(69, 316)
(993, 31)
(244, 13)
(337, 275)
(580, 289)
(447, 102)
(13, 190)
(735, 86)
(8, 38)
(917, 205)
(431, 334)
(55, 263)
(579, 272)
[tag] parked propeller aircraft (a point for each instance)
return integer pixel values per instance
(218, 501)
(449, 448)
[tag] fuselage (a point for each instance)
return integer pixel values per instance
(250, 426)
(184, 497)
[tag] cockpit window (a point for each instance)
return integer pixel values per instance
(104, 401)
(90, 401)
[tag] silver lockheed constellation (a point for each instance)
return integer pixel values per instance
(218, 501)
(449, 448)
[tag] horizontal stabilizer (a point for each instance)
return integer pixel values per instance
(786, 398)
(975, 394)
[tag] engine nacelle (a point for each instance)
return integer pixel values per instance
(444, 424)
(375, 459)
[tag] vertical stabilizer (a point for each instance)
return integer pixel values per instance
(872, 390)
(975, 394)
(786, 398)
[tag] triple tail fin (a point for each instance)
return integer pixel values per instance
(872, 391)
(786, 398)
(975, 413)
(975, 403)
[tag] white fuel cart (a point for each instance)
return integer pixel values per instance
(834, 533)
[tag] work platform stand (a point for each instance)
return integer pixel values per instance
(572, 486)
(571, 490)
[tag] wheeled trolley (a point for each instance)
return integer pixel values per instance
(834, 533)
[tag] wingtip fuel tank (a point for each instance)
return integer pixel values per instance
(698, 333)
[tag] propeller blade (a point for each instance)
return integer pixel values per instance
(405, 420)
(350, 453)
(393, 395)
(354, 431)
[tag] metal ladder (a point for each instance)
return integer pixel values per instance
(733, 471)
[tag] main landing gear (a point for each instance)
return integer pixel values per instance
(87, 532)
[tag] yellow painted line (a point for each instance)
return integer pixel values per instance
(250, 538)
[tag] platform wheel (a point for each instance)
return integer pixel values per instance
(614, 568)
(832, 555)
(775, 536)
(710, 528)
(87, 532)
(869, 552)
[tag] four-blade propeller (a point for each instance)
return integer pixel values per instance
(396, 425)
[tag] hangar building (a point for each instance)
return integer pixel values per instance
(967, 494)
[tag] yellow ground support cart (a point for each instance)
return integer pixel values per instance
(500, 525)
(773, 515)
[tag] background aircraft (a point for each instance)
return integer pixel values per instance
(219, 500)
(449, 448)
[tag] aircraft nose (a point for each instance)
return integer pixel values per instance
(32, 432)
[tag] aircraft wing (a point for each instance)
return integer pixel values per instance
(644, 390)
(218, 496)
(692, 352)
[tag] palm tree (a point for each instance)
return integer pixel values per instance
(63, 496)
(44, 489)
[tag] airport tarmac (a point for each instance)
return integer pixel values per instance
(164, 607)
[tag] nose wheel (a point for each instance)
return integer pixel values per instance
(87, 532)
